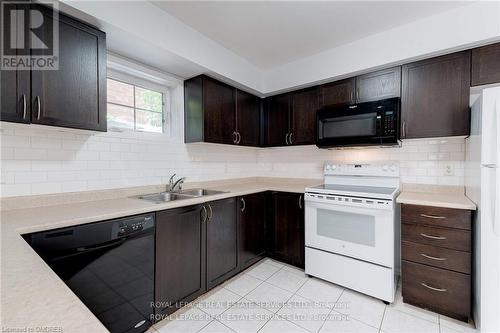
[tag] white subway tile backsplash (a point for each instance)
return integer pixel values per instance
(48, 143)
(40, 161)
(28, 153)
(46, 188)
(11, 190)
(14, 141)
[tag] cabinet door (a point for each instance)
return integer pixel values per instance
(219, 112)
(222, 241)
(338, 93)
(277, 120)
(486, 65)
(193, 110)
(252, 223)
(287, 240)
(75, 94)
(248, 118)
(305, 103)
(15, 96)
(435, 97)
(180, 256)
(14, 84)
(378, 85)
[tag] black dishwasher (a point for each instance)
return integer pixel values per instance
(109, 265)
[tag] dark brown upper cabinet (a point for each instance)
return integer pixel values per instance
(290, 119)
(75, 94)
(15, 87)
(222, 241)
(286, 228)
(338, 93)
(180, 274)
(252, 228)
(248, 110)
(72, 96)
(277, 120)
(15, 96)
(485, 65)
(364, 88)
(218, 113)
(305, 103)
(435, 97)
(378, 85)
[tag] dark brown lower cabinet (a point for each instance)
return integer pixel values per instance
(286, 228)
(436, 253)
(252, 225)
(180, 257)
(196, 249)
(222, 241)
(201, 246)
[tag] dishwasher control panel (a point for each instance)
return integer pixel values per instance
(132, 225)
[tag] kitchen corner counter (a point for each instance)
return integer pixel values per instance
(33, 296)
(436, 196)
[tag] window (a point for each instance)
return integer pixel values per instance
(136, 108)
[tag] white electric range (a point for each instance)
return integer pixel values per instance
(352, 227)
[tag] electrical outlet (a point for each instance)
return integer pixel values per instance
(448, 170)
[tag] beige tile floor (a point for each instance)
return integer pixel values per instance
(273, 297)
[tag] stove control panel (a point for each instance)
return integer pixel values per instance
(387, 169)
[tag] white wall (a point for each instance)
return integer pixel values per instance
(167, 43)
(442, 33)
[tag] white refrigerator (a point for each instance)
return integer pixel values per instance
(482, 182)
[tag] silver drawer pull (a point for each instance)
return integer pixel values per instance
(432, 288)
(431, 257)
(433, 216)
(432, 237)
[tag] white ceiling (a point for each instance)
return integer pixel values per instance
(270, 34)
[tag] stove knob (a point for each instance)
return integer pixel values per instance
(393, 168)
(385, 168)
(328, 167)
(334, 167)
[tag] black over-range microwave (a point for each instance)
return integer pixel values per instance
(365, 124)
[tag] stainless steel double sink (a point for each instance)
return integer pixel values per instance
(178, 195)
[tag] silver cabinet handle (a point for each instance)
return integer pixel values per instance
(235, 137)
(243, 203)
(431, 257)
(206, 214)
(357, 94)
(352, 97)
(25, 107)
(290, 138)
(433, 216)
(286, 138)
(210, 212)
(238, 136)
(432, 288)
(432, 237)
(39, 107)
(403, 128)
(300, 201)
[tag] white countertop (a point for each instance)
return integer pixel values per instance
(33, 295)
(445, 200)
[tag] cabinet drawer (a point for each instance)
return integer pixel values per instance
(454, 239)
(436, 256)
(436, 216)
(437, 289)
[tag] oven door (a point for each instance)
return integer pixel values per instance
(359, 232)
